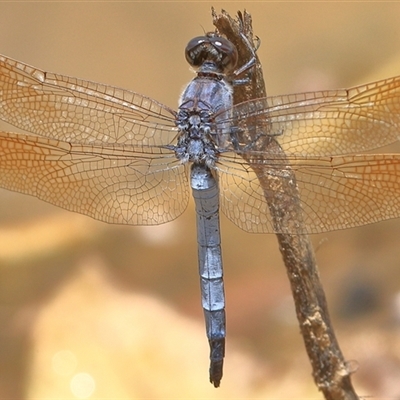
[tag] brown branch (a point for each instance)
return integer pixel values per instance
(330, 371)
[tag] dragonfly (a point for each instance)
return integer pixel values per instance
(124, 158)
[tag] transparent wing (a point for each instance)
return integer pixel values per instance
(324, 123)
(78, 111)
(111, 183)
(107, 161)
(335, 192)
(313, 130)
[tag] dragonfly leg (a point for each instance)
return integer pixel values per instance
(247, 67)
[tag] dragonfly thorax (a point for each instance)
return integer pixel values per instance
(198, 119)
(195, 143)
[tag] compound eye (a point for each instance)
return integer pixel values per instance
(195, 49)
(229, 54)
(215, 49)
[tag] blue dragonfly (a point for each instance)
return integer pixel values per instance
(124, 158)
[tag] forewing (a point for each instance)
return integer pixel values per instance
(78, 111)
(323, 123)
(111, 183)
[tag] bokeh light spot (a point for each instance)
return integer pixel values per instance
(82, 385)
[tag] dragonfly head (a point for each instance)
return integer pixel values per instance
(211, 53)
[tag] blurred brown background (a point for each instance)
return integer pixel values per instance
(89, 310)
